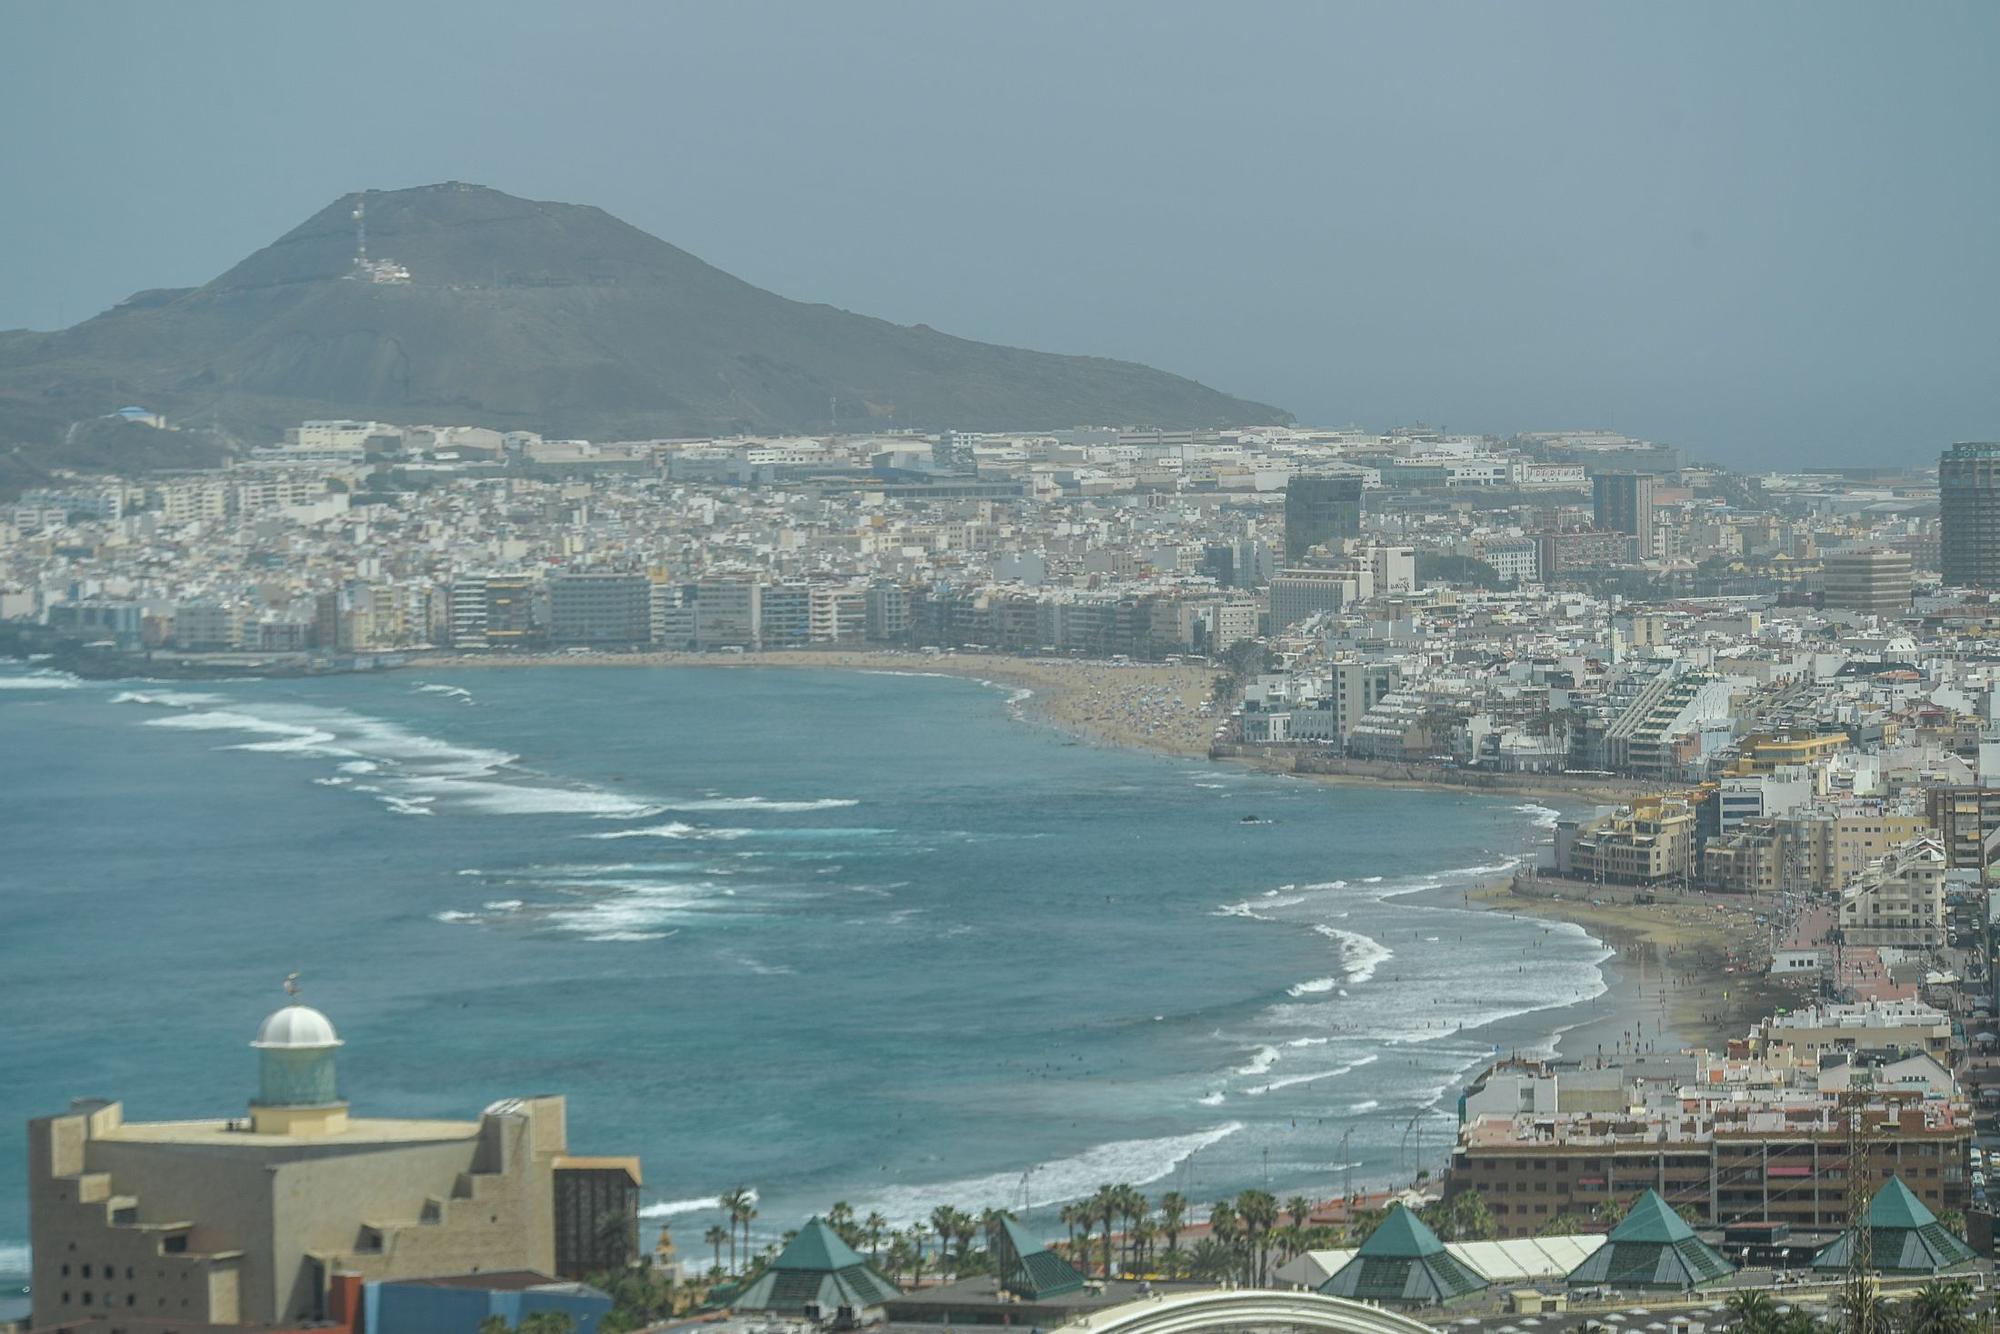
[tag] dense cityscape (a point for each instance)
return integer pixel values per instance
(1145, 667)
(1766, 702)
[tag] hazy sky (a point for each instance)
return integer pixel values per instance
(1763, 231)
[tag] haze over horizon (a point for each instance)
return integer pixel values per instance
(1761, 234)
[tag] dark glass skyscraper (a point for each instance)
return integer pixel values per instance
(1969, 504)
(1622, 502)
(1319, 511)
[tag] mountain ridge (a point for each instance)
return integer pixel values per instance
(552, 317)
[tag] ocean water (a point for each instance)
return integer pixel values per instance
(829, 935)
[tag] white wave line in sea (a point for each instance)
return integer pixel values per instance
(760, 804)
(673, 1208)
(1360, 955)
(1137, 1161)
(43, 680)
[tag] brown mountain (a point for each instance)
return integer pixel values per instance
(550, 317)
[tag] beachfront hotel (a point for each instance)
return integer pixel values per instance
(279, 1215)
(1757, 1133)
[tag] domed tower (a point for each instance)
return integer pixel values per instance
(296, 1090)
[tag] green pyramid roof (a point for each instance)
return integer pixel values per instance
(1026, 1267)
(817, 1246)
(1649, 1219)
(1895, 1206)
(1652, 1247)
(817, 1269)
(1403, 1264)
(1402, 1235)
(1905, 1237)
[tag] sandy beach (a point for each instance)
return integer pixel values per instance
(1689, 969)
(1145, 705)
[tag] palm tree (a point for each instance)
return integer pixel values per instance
(898, 1257)
(944, 1221)
(1211, 1259)
(841, 1219)
(715, 1236)
(1106, 1204)
(749, 1213)
(1223, 1228)
(964, 1227)
(1752, 1312)
(1068, 1214)
(1471, 1220)
(874, 1225)
(1131, 1207)
(1940, 1307)
(1173, 1212)
(1259, 1211)
(1300, 1208)
(916, 1236)
(733, 1203)
(1143, 1235)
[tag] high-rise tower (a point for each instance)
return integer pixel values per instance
(1969, 503)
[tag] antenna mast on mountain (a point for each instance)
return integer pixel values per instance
(366, 270)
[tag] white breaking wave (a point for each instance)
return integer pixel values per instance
(407, 805)
(1215, 1099)
(513, 799)
(1546, 817)
(413, 771)
(455, 916)
(674, 1208)
(759, 804)
(1311, 1077)
(1137, 1161)
(16, 1259)
(172, 699)
(1242, 909)
(503, 905)
(44, 680)
(456, 692)
(1360, 955)
(1260, 1061)
(1314, 987)
(673, 829)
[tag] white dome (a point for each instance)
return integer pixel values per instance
(296, 1026)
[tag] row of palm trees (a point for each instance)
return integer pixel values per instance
(1247, 1237)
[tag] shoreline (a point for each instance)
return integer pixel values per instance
(1679, 964)
(1084, 698)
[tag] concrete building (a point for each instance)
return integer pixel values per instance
(1320, 511)
(1899, 901)
(248, 1219)
(600, 610)
(1650, 841)
(1580, 551)
(1969, 506)
(1297, 594)
(728, 613)
(1875, 580)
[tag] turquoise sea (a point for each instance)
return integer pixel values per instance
(831, 935)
